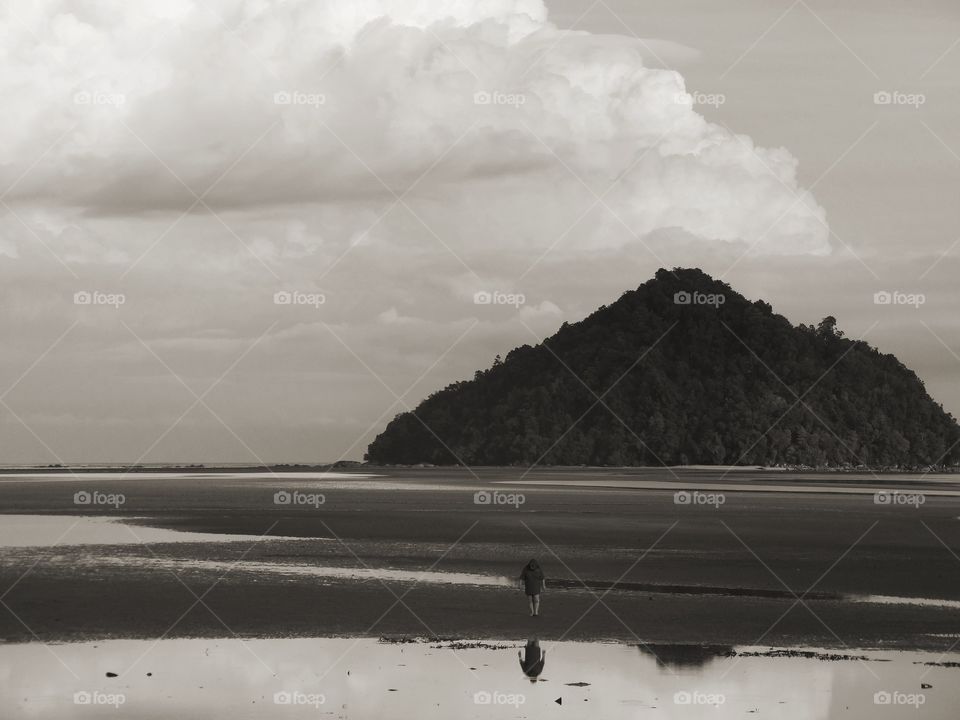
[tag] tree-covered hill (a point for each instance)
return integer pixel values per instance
(652, 379)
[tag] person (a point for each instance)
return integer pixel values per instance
(533, 584)
(532, 659)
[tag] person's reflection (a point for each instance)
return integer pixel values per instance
(532, 659)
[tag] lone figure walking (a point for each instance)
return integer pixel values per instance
(533, 583)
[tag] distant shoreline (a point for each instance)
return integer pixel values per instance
(347, 465)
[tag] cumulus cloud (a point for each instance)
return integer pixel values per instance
(395, 156)
(265, 104)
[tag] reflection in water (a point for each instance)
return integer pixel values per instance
(234, 679)
(685, 656)
(532, 659)
(263, 569)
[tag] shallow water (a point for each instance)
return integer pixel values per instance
(67, 530)
(24, 531)
(348, 678)
(896, 600)
(431, 577)
(315, 571)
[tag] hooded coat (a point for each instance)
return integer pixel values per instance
(532, 577)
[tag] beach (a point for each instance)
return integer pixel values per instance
(410, 552)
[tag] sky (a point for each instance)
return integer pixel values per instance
(251, 231)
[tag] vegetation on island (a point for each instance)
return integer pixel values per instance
(682, 370)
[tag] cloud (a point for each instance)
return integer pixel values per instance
(132, 109)
(396, 157)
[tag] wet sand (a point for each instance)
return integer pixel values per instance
(624, 560)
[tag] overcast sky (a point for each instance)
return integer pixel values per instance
(168, 168)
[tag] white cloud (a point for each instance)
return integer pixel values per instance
(179, 96)
(376, 93)
(544, 309)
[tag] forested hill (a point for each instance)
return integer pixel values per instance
(682, 370)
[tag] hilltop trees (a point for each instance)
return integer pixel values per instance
(682, 376)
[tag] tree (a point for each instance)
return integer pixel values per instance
(828, 327)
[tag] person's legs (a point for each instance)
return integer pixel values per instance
(531, 599)
(535, 602)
